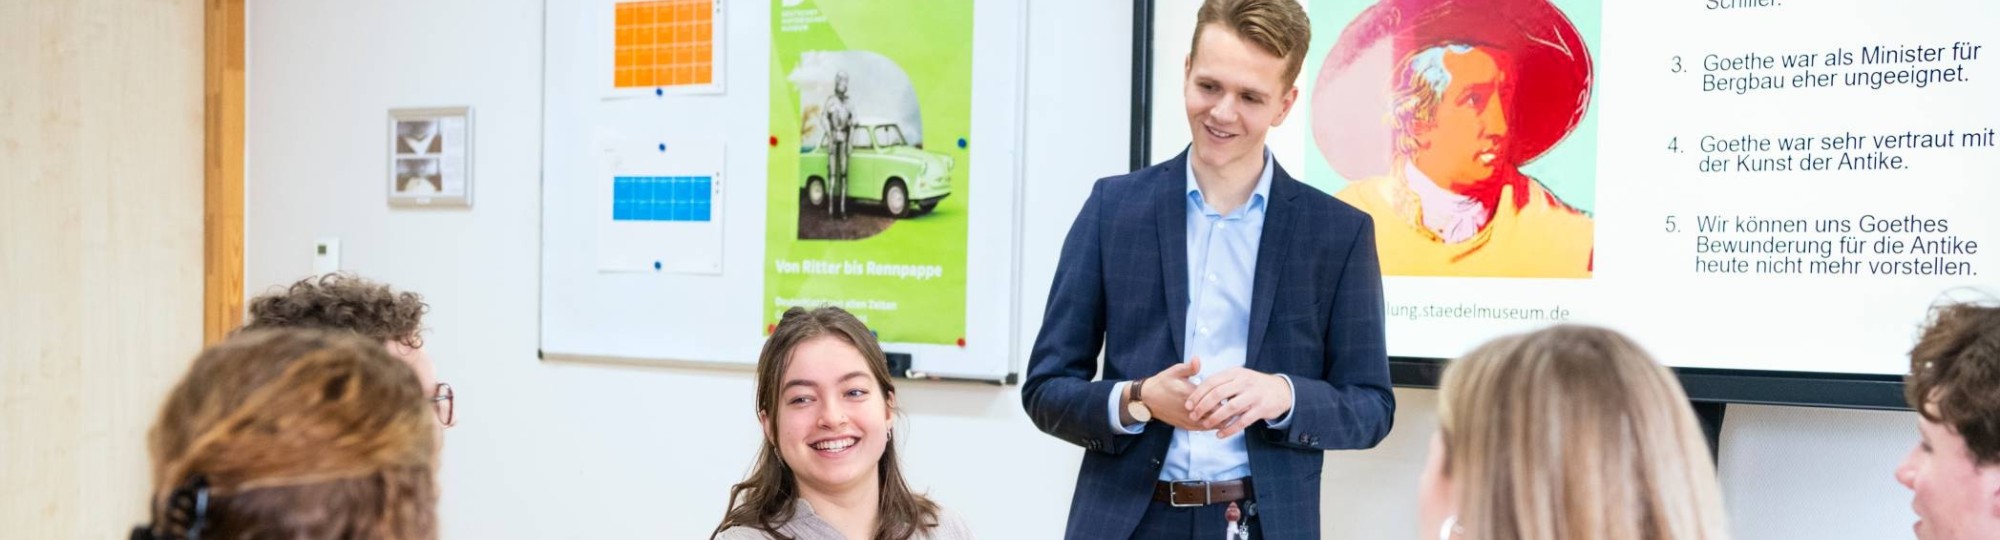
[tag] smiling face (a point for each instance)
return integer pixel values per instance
(1235, 93)
(1954, 497)
(833, 418)
(1467, 135)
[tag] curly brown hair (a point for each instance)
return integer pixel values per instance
(343, 302)
(1954, 369)
(298, 434)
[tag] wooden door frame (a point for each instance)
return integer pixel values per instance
(222, 164)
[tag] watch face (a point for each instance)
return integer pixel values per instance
(1139, 411)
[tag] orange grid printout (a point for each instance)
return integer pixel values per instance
(665, 43)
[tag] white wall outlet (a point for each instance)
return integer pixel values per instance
(326, 255)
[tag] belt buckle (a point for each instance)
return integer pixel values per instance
(1174, 495)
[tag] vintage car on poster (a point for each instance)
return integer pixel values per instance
(883, 169)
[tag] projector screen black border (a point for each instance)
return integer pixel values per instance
(1742, 386)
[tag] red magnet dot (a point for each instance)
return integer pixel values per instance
(961, 343)
(774, 141)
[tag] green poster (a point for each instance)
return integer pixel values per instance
(871, 107)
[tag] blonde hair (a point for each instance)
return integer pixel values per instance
(1575, 433)
(1278, 27)
(298, 434)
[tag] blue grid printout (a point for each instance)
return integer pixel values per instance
(662, 198)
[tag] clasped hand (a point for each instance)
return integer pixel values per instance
(1227, 402)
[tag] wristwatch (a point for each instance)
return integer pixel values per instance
(1137, 407)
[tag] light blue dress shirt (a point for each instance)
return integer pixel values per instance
(1222, 267)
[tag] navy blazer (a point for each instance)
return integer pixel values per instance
(1316, 314)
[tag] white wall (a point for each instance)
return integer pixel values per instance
(1816, 473)
(551, 450)
(100, 252)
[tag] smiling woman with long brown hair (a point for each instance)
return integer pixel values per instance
(828, 469)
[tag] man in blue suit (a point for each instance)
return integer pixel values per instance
(1239, 312)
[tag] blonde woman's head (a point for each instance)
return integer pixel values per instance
(1568, 433)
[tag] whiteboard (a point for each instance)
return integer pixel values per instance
(596, 308)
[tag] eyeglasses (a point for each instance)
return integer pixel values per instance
(443, 403)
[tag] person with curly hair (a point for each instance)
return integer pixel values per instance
(373, 310)
(1954, 471)
(297, 434)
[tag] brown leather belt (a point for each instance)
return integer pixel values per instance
(1199, 493)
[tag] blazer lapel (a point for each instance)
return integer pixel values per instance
(1271, 247)
(1170, 213)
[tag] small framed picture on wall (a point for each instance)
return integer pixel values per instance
(430, 156)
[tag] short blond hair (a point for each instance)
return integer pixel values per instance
(1279, 27)
(1575, 432)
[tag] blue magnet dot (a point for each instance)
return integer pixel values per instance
(663, 147)
(659, 91)
(961, 143)
(656, 266)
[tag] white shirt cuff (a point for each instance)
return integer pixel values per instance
(1117, 400)
(1285, 420)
